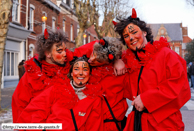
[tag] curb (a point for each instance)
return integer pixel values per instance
(192, 96)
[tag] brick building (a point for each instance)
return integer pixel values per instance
(38, 9)
(175, 34)
(186, 39)
(26, 23)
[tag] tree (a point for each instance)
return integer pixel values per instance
(189, 56)
(5, 6)
(190, 2)
(87, 12)
(110, 10)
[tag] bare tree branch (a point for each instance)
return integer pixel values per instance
(190, 2)
(111, 9)
(88, 14)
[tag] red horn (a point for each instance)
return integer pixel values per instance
(102, 42)
(46, 34)
(114, 22)
(134, 15)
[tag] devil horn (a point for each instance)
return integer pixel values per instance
(134, 15)
(46, 34)
(114, 22)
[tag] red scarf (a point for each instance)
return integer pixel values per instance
(133, 64)
(40, 79)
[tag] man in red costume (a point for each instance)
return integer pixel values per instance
(158, 79)
(41, 71)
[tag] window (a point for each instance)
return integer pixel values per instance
(88, 38)
(11, 63)
(64, 25)
(31, 17)
(69, 3)
(53, 23)
(77, 29)
(31, 50)
(15, 11)
(162, 31)
(177, 50)
(71, 33)
(72, 4)
(84, 41)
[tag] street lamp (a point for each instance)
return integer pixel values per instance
(44, 18)
(84, 35)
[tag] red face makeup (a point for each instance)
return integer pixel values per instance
(80, 73)
(134, 37)
(57, 54)
(94, 61)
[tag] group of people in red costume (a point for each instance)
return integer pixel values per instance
(86, 90)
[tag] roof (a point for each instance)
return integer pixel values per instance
(174, 30)
(186, 39)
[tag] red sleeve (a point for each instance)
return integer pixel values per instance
(95, 119)
(69, 55)
(124, 58)
(21, 97)
(85, 49)
(128, 92)
(38, 109)
(172, 92)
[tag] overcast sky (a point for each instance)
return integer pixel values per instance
(166, 11)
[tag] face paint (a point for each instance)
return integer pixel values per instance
(94, 61)
(58, 54)
(134, 37)
(80, 73)
(130, 29)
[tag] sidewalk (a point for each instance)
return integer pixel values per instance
(6, 97)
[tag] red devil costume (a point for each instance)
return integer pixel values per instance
(163, 87)
(159, 76)
(39, 76)
(60, 104)
(113, 87)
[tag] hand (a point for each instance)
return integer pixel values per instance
(119, 67)
(138, 103)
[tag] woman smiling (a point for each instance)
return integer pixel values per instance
(74, 103)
